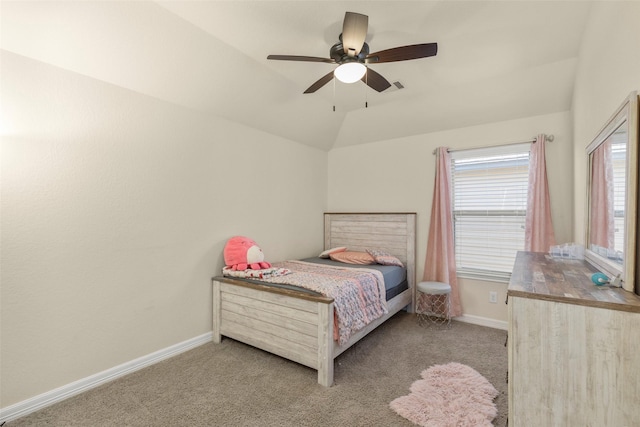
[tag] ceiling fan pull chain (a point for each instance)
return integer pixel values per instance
(366, 92)
(334, 95)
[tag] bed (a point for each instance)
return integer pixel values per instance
(299, 325)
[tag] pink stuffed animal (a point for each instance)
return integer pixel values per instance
(242, 253)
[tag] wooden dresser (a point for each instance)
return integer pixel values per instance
(574, 348)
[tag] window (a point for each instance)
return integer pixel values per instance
(489, 200)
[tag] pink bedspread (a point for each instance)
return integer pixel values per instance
(358, 293)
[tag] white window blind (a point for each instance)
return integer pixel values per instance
(489, 197)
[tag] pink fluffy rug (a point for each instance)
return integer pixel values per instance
(451, 395)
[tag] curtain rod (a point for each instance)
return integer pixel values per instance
(547, 138)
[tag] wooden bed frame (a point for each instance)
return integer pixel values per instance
(299, 326)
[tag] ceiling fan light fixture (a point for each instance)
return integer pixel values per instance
(350, 72)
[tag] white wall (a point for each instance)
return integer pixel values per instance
(608, 70)
(115, 210)
(398, 175)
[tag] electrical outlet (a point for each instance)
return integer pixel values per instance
(493, 297)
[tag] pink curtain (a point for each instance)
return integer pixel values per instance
(440, 262)
(601, 209)
(539, 235)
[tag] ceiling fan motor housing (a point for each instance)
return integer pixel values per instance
(337, 53)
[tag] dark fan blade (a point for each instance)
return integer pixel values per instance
(317, 85)
(301, 58)
(354, 32)
(375, 80)
(403, 53)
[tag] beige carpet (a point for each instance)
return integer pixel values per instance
(231, 384)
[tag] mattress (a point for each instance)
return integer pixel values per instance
(395, 278)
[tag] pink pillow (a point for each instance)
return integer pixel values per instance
(353, 258)
(328, 252)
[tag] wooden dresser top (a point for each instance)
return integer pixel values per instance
(537, 275)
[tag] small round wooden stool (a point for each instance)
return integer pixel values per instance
(435, 306)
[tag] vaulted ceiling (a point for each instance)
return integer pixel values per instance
(497, 60)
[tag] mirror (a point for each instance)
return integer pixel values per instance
(612, 196)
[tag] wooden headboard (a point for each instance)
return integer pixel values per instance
(393, 232)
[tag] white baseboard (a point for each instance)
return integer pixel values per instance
(483, 321)
(49, 398)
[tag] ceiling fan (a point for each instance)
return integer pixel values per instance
(351, 54)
